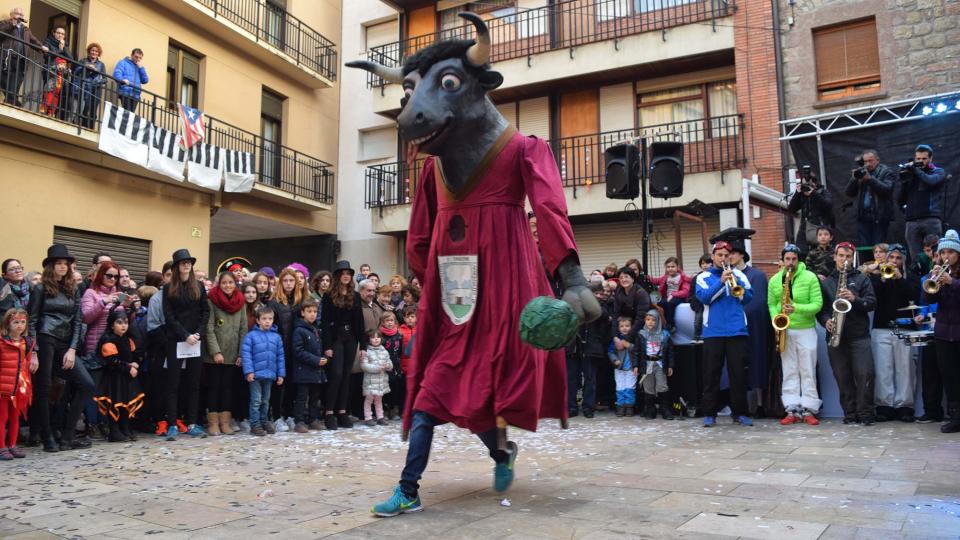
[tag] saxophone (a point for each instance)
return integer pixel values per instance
(782, 321)
(840, 308)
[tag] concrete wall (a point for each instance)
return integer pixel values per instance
(359, 244)
(919, 46)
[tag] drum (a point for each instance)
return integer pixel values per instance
(917, 338)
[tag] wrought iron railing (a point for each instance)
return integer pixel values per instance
(714, 144)
(275, 26)
(29, 82)
(568, 23)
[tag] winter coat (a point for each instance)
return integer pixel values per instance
(922, 194)
(596, 334)
(183, 315)
(682, 293)
(262, 354)
(879, 187)
(948, 310)
(58, 317)
(820, 260)
(394, 346)
(371, 316)
(892, 295)
(723, 314)
(137, 75)
(155, 311)
(816, 208)
(406, 346)
(95, 312)
(634, 304)
(804, 295)
(14, 362)
(665, 356)
(857, 321)
(338, 321)
(375, 381)
(8, 32)
(9, 297)
(626, 357)
(308, 350)
(225, 332)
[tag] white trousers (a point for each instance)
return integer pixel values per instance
(799, 360)
(895, 376)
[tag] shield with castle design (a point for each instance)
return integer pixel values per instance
(458, 282)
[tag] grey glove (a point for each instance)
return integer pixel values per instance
(576, 292)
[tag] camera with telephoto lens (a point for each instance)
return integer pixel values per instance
(807, 180)
(860, 171)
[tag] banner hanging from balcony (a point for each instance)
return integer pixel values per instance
(167, 156)
(125, 135)
(193, 128)
(205, 165)
(238, 176)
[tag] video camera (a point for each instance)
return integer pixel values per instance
(860, 171)
(808, 181)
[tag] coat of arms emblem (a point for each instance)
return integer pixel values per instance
(458, 283)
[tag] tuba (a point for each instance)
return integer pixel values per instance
(840, 308)
(736, 290)
(932, 284)
(782, 321)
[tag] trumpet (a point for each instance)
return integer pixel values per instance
(932, 284)
(736, 290)
(888, 271)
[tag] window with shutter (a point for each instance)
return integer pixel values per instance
(847, 59)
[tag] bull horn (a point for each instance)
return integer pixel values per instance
(393, 75)
(479, 53)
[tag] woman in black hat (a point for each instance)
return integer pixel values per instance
(343, 319)
(56, 324)
(185, 311)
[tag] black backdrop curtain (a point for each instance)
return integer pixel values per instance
(895, 143)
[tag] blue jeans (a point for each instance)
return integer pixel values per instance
(260, 400)
(418, 453)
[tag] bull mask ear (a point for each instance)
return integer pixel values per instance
(392, 75)
(479, 53)
(491, 80)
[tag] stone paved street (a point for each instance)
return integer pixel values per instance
(604, 478)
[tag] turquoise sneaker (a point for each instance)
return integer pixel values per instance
(172, 433)
(709, 421)
(743, 421)
(503, 472)
(397, 504)
(196, 431)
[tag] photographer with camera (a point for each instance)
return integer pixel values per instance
(872, 184)
(922, 197)
(815, 205)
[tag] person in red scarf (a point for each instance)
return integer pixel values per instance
(393, 343)
(53, 88)
(226, 329)
(16, 364)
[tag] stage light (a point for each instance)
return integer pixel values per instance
(941, 107)
(927, 110)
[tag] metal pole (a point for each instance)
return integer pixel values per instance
(643, 204)
(823, 166)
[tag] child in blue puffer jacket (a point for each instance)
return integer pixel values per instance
(263, 363)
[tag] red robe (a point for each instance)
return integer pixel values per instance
(472, 372)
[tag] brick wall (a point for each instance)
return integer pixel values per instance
(918, 41)
(757, 100)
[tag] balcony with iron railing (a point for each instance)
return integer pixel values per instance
(29, 84)
(710, 145)
(565, 24)
(263, 28)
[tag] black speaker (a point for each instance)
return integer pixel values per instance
(666, 169)
(623, 171)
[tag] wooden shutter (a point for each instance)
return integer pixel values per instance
(130, 253)
(847, 55)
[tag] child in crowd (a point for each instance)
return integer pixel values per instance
(119, 396)
(16, 364)
(620, 353)
(263, 363)
(409, 333)
(376, 381)
(924, 262)
(655, 360)
(705, 262)
(820, 259)
(308, 371)
(251, 303)
(411, 297)
(611, 271)
(674, 288)
(384, 293)
(393, 343)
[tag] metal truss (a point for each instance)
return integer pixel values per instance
(863, 117)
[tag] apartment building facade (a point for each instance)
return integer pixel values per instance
(584, 75)
(264, 72)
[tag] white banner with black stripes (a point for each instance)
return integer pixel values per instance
(238, 175)
(167, 155)
(205, 165)
(125, 135)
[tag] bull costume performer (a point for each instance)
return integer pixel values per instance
(468, 229)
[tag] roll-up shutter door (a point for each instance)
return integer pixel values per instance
(70, 7)
(600, 244)
(130, 253)
(535, 117)
(378, 143)
(382, 34)
(616, 107)
(509, 111)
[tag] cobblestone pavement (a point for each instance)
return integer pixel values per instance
(604, 478)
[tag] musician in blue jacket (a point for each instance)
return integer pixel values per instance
(725, 335)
